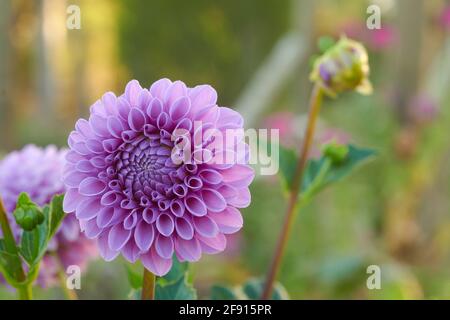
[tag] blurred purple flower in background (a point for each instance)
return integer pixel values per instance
(290, 129)
(445, 17)
(284, 121)
(376, 39)
(38, 172)
(129, 194)
(423, 109)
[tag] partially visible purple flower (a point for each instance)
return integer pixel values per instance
(376, 39)
(445, 17)
(38, 172)
(132, 196)
(290, 129)
(285, 124)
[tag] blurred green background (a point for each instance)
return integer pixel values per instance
(393, 212)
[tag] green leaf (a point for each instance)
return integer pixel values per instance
(224, 293)
(178, 271)
(134, 277)
(56, 214)
(8, 265)
(179, 290)
(34, 243)
(321, 172)
(355, 158)
(253, 289)
(288, 162)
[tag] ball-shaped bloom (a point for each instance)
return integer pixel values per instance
(134, 191)
(38, 172)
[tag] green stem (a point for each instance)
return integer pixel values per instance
(15, 264)
(314, 109)
(148, 286)
(25, 292)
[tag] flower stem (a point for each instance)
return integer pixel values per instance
(314, 108)
(148, 286)
(25, 292)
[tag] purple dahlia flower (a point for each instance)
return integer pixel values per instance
(38, 172)
(132, 193)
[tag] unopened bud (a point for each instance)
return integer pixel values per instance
(344, 66)
(337, 153)
(28, 215)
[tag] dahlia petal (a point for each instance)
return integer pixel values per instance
(195, 205)
(213, 200)
(88, 208)
(242, 200)
(144, 98)
(164, 246)
(128, 135)
(205, 226)
(213, 245)
(105, 251)
(175, 91)
(132, 91)
(118, 237)
(165, 224)
(193, 182)
(157, 265)
(130, 251)
(238, 175)
(227, 191)
(82, 126)
(154, 109)
(98, 125)
(109, 101)
(105, 217)
(94, 146)
(98, 109)
(136, 119)
(158, 88)
(183, 126)
(75, 137)
(73, 157)
(71, 199)
(229, 220)
(91, 187)
(163, 120)
(98, 162)
(111, 145)
(177, 207)
(111, 198)
(180, 108)
(210, 176)
(149, 215)
(91, 230)
(114, 126)
(144, 235)
(229, 118)
(201, 96)
(130, 222)
(73, 179)
(81, 148)
(184, 228)
(124, 108)
(188, 250)
(85, 166)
